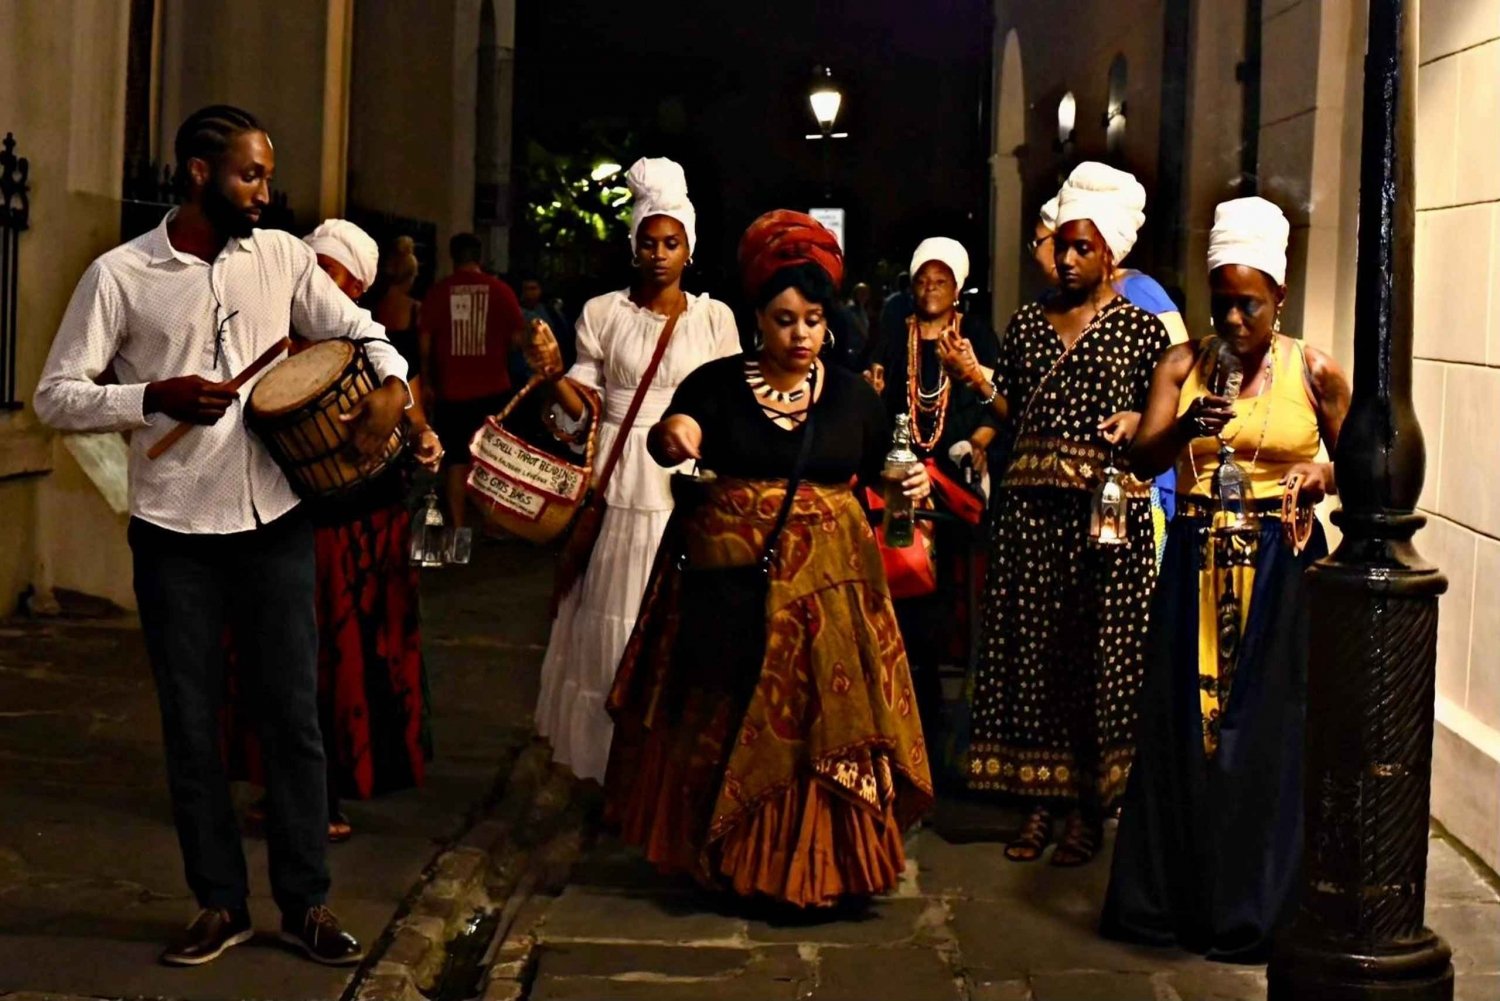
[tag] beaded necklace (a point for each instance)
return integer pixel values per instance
(760, 387)
(922, 403)
(1265, 424)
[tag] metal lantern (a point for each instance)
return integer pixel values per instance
(1107, 516)
(429, 543)
(1231, 488)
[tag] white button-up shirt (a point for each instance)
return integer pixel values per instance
(154, 312)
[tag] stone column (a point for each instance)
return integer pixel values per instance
(1359, 931)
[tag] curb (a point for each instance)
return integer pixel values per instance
(483, 879)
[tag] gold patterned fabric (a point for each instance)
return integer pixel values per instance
(800, 794)
(1226, 581)
(1051, 461)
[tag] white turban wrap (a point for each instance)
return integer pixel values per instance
(351, 246)
(944, 251)
(1048, 216)
(660, 188)
(1111, 199)
(1252, 232)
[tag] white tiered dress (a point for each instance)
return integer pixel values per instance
(616, 339)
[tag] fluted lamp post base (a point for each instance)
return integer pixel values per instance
(1358, 934)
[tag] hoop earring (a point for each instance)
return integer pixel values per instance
(758, 342)
(828, 341)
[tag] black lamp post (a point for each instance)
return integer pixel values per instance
(826, 100)
(1359, 932)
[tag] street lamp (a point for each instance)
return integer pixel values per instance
(825, 98)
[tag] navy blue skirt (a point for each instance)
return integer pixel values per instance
(1209, 847)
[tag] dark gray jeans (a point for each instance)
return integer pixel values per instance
(189, 588)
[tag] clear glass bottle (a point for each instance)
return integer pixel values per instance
(899, 525)
(428, 542)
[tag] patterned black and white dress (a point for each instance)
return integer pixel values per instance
(1065, 620)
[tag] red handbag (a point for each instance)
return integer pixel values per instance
(911, 571)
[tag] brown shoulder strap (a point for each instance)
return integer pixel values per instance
(613, 459)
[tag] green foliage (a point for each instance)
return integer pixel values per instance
(566, 208)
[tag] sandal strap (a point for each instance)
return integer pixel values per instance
(1037, 827)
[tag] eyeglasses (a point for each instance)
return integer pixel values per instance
(219, 325)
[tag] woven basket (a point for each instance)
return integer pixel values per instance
(520, 482)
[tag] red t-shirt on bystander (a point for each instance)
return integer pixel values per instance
(470, 317)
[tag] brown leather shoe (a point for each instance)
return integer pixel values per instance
(318, 934)
(211, 932)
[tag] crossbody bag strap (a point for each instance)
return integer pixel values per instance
(803, 454)
(618, 448)
(1114, 306)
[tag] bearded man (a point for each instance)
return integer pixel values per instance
(216, 532)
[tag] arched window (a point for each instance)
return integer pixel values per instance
(1114, 115)
(1067, 118)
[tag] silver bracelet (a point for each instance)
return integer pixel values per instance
(994, 395)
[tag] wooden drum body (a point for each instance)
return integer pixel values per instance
(295, 409)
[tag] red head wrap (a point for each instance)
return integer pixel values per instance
(783, 238)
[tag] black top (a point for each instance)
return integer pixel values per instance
(965, 407)
(1108, 371)
(851, 439)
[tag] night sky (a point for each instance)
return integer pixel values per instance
(722, 88)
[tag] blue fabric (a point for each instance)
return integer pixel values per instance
(1147, 293)
(1208, 849)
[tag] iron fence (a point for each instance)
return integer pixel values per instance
(15, 218)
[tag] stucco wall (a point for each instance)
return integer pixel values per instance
(1457, 388)
(63, 94)
(412, 112)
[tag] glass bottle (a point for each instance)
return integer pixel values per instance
(427, 536)
(900, 510)
(1230, 485)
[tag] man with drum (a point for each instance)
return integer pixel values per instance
(181, 313)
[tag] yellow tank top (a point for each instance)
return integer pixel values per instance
(1271, 432)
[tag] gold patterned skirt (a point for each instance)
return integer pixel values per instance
(799, 790)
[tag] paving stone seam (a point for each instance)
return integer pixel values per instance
(420, 930)
(511, 847)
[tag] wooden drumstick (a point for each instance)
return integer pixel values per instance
(250, 371)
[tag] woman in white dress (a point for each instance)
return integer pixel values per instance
(617, 337)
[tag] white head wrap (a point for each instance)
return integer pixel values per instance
(660, 188)
(1113, 200)
(944, 251)
(1252, 232)
(351, 246)
(1048, 215)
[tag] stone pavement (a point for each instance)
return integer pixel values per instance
(90, 876)
(965, 924)
(90, 882)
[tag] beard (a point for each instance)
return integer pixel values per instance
(227, 218)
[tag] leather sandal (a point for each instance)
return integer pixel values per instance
(1034, 837)
(1079, 844)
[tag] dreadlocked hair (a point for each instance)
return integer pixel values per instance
(208, 132)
